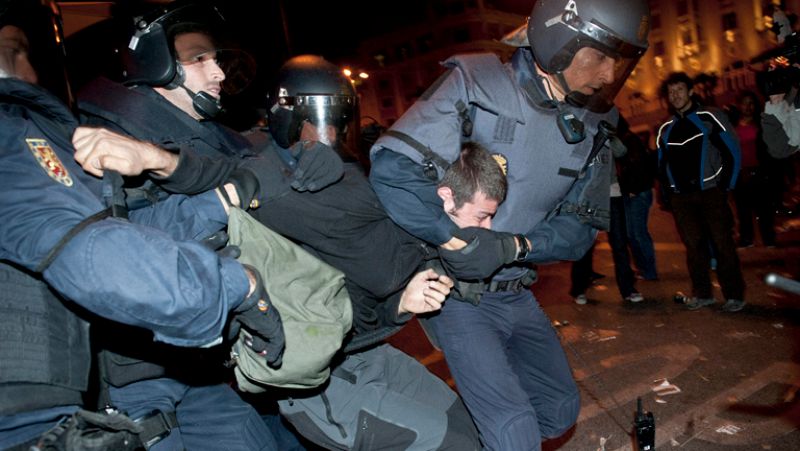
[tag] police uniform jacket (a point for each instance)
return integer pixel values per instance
(148, 272)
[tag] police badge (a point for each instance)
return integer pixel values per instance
(49, 161)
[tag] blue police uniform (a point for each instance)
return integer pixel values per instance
(503, 353)
(141, 379)
(148, 272)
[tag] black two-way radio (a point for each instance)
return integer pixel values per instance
(645, 428)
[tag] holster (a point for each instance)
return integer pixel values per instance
(92, 431)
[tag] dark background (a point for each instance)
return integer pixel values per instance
(274, 30)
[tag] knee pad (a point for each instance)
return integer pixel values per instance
(520, 433)
(563, 418)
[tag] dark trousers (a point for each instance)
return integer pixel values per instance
(618, 240)
(753, 198)
(704, 217)
(581, 274)
(637, 211)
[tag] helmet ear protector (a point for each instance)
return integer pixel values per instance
(149, 58)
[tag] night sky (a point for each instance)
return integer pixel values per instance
(332, 28)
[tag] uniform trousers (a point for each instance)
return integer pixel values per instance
(210, 417)
(510, 369)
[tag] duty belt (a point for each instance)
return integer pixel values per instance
(471, 292)
(514, 285)
(156, 426)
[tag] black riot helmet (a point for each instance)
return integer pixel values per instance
(557, 29)
(149, 56)
(31, 45)
(310, 89)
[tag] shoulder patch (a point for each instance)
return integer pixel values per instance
(501, 161)
(49, 161)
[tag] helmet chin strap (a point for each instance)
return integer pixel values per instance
(206, 105)
(574, 98)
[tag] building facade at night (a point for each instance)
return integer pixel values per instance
(714, 37)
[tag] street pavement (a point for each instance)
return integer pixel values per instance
(724, 381)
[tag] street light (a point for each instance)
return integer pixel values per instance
(355, 81)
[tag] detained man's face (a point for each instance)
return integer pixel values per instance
(589, 71)
(197, 54)
(477, 212)
(14, 60)
(679, 96)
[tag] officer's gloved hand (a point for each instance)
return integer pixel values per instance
(486, 251)
(258, 180)
(257, 314)
(318, 166)
(218, 242)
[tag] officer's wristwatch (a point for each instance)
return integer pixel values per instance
(524, 249)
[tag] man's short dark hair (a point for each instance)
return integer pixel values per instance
(673, 79)
(475, 170)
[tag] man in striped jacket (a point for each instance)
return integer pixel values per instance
(698, 158)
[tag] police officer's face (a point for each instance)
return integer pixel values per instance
(477, 212)
(679, 96)
(198, 57)
(589, 71)
(14, 55)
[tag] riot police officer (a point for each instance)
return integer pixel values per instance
(548, 112)
(176, 67)
(66, 264)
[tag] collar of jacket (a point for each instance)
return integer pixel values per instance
(36, 98)
(694, 107)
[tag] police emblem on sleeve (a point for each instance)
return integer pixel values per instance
(49, 161)
(501, 161)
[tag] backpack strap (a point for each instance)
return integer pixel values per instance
(488, 82)
(430, 158)
(114, 197)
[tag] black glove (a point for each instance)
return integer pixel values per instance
(486, 251)
(93, 431)
(259, 179)
(217, 242)
(257, 314)
(318, 166)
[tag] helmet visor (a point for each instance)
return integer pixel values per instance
(599, 97)
(238, 66)
(624, 54)
(335, 117)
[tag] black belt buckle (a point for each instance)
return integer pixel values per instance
(514, 285)
(156, 426)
